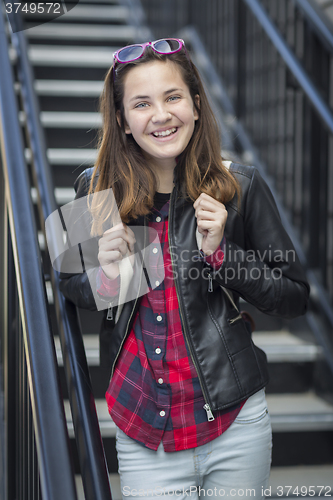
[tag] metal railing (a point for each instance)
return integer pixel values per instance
(88, 438)
(275, 60)
(36, 449)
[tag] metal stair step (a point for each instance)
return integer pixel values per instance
(68, 88)
(65, 119)
(67, 156)
(282, 346)
(113, 13)
(299, 412)
(62, 195)
(91, 345)
(93, 32)
(70, 56)
(107, 426)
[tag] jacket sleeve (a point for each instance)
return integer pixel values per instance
(267, 272)
(76, 287)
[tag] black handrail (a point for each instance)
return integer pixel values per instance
(93, 466)
(55, 465)
(292, 62)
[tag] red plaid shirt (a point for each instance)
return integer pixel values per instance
(155, 393)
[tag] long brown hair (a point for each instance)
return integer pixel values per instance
(121, 165)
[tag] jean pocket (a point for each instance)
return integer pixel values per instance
(251, 420)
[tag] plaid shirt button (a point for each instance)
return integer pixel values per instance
(158, 350)
(158, 219)
(155, 250)
(159, 318)
(160, 381)
(162, 413)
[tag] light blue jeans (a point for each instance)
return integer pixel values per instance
(236, 464)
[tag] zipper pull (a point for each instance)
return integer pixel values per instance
(233, 320)
(210, 415)
(109, 315)
(210, 283)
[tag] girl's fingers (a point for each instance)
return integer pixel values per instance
(206, 207)
(206, 199)
(205, 215)
(212, 217)
(208, 225)
(106, 258)
(118, 244)
(114, 234)
(210, 206)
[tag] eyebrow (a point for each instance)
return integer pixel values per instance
(147, 96)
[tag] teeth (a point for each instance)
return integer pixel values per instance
(165, 132)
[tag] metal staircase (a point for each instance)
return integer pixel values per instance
(70, 57)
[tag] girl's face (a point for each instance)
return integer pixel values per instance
(159, 111)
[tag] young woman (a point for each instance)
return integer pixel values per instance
(187, 383)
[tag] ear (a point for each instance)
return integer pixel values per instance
(197, 106)
(118, 116)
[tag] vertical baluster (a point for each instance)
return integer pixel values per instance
(222, 38)
(11, 375)
(298, 190)
(21, 416)
(25, 427)
(20, 411)
(28, 454)
(3, 339)
(330, 197)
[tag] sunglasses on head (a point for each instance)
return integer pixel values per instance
(131, 53)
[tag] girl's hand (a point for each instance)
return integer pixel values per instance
(211, 219)
(113, 246)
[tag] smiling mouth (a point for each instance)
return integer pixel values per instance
(165, 133)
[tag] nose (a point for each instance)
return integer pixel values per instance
(161, 114)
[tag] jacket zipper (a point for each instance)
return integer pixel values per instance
(210, 416)
(233, 320)
(109, 315)
(230, 297)
(239, 316)
(210, 283)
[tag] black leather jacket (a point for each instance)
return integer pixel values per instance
(260, 265)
